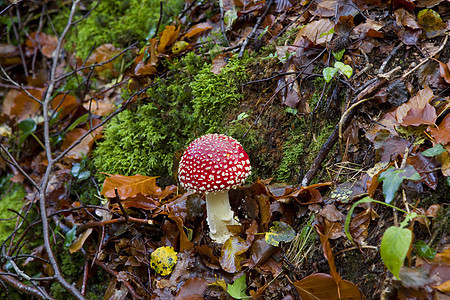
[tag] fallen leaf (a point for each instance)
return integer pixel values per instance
(79, 242)
(168, 37)
(197, 29)
(102, 54)
(26, 107)
(314, 30)
(279, 232)
(46, 43)
(431, 22)
(64, 104)
(419, 102)
(425, 166)
(230, 258)
(99, 108)
(441, 134)
(219, 62)
(444, 70)
(192, 289)
(163, 260)
(322, 286)
(130, 186)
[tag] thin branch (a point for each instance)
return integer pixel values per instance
(261, 18)
(45, 180)
(13, 162)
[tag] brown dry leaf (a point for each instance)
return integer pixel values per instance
(444, 70)
(47, 43)
(102, 54)
(328, 253)
(130, 186)
(197, 29)
(441, 134)
(147, 60)
(192, 289)
(444, 287)
(9, 55)
(168, 37)
(185, 244)
(331, 213)
(408, 29)
(313, 31)
(419, 101)
(79, 242)
(322, 286)
(406, 18)
(100, 108)
(64, 104)
(219, 62)
(444, 159)
(24, 106)
(230, 258)
(393, 147)
(140, 201)
(360, 224)
(425, 166)
(369, 28)
(416, 116)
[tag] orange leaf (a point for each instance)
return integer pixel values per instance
(441, 134)
(168, 37)
(322, 286)
(193, 289)
(129, 186)
(100, 108)
(102, 54)
(24, 106)
(196, 29)
(47, 43)
(219, 62)
(326, 247)
(64, 104)
(148, 66)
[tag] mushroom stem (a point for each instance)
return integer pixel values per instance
(219, 215)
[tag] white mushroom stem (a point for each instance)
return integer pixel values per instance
(219, 215)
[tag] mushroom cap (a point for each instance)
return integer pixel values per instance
(213, 163)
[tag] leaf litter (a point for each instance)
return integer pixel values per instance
(153, 239)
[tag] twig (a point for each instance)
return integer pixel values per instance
(261, 18)
(46, 178)
(426, 59)
(13, 162)
(16, 33)
(160, 18)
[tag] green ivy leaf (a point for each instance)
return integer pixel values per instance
(328, 73)
(392, 179)
(237, 289)
(436, 150)
(71, 235)
(423, 250)
(345, 69)
(279, 232)
(394, 247)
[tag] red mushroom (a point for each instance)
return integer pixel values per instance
(213, 164)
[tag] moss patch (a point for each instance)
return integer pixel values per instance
(114, 21)
(12, 200)
(192, 102)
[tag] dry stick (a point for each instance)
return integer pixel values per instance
(21, 287)
(241, 52)
(45, 180)
(160, 18)
(16, 33)
(20, 86)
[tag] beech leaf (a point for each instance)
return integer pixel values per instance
(230, 257)
(130, 186)
(323, 286)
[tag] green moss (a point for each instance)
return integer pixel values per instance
(12, 200)
(116, 22)
(301, 148)
(190, 103)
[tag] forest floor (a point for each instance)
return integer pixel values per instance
(344, 113)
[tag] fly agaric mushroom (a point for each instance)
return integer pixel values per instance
(213, 164)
